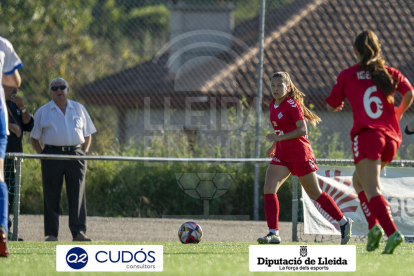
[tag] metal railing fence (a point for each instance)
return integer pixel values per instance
(19, 157)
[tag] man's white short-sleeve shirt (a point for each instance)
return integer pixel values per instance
(58, 129)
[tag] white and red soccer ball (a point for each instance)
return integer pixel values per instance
(190, 232)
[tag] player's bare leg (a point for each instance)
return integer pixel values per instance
(310, 184)
(368, 172)
(275, 176)
(375, 232)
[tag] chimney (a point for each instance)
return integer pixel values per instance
(198, 31)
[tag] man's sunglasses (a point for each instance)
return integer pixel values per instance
(55, 88)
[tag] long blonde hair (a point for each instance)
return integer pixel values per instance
(298, 96)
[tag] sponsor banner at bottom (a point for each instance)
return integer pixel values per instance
(134, 258)
(302, 258)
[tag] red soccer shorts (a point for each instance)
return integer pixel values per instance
(296, 168)
(375, 145)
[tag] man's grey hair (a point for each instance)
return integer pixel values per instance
(58, 79)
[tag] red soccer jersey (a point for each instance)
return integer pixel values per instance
(370, 107)
(283, 119)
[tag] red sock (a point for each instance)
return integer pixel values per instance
(382, 211)
(372, 220)
(272, 211)
(329, 206)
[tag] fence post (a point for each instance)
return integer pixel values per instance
(258, 109)
(17, 184)
(295, 181)
(206, 208)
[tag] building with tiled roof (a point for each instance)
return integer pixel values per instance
(312, 40)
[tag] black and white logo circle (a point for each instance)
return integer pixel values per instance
(77, 258)
(303, 251)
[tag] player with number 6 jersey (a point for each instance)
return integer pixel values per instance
(292, 154)
(371, 109)
(369, 87)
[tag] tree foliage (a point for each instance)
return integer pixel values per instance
(82, 40)
(79, 40)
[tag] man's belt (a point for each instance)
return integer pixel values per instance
(64, 148)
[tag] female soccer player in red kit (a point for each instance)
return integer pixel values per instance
(369, 87)
(292, 153)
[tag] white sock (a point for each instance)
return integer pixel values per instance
(274, 231)
(343, 221)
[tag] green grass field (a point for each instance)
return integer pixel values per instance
(39, 258)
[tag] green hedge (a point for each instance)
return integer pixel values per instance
(132, 189)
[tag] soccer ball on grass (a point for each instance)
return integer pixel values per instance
(190, 232)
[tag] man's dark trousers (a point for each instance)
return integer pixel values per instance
(10, 177)
(74, 172)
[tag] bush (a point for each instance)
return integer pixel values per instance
(138, 189)
(120, 189)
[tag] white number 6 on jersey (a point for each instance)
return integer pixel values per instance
(368, 100)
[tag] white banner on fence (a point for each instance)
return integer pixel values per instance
(397, 186)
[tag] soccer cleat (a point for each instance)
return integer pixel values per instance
(393, 241)
(374, 237)
(4, 251)
(346, 231)
(270, 238)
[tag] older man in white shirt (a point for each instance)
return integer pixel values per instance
(65, 127)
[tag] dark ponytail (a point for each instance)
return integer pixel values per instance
(366, 43)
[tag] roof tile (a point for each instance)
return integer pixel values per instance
(314, 50)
